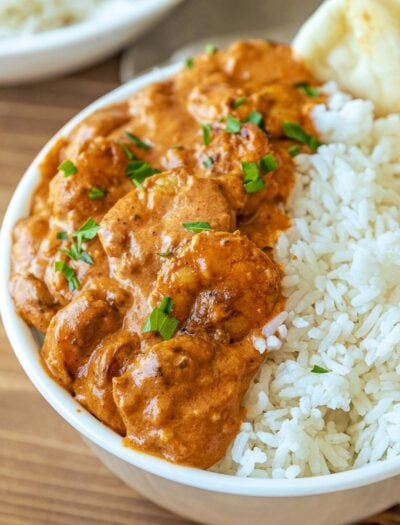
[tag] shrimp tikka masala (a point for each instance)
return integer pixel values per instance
(147, 256)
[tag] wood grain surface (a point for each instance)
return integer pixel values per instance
(48, 476)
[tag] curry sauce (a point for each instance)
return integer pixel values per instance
(147, 256)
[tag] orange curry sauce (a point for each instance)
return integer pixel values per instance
(147, 256)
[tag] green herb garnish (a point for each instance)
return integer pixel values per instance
(307, 89)
(166, 304)
(189, 63)
(319, 370)
(62, 235)
(68, 168)
(196, 227)
(167, 253)
(86, 232)
(294, 131)
(210, 49)
(161, 321)
(268, 163)
(294, 151)
(232, 124)
(77, 255)
(96, 193)
(177, 146)
(69, 274)
(252, 182)
(238, 102)
(72, 253)
(129, 153)
(208, 162)
(136, 140)
(256, 118)
(85, 257)
(206, 133)
(138, 171)
(254, 186)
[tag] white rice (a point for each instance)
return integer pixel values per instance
(21, 17)
(342, 280)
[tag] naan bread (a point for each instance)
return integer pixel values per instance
(356, 43)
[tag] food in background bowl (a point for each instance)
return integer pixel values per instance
(35, 34)
(160, 302)
(19, 17)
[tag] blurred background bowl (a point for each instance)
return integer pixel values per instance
(112, 26)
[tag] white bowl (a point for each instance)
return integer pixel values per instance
(199, 495)
(40, 55)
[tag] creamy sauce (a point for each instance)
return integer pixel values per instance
(179, 398)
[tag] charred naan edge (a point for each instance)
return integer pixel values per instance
(356, 43)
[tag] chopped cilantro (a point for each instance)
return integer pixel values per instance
(129, 153)
(232, 124)
(294, 131)
(206, 133)
(238, 102)
(210, 49)
(62, 235)
(86, 232)
(252, 182)
(307, 89)
(136, 140)
(208, 162)
(96, 193)
(69, 274)
(196, 227)
(68, 168)
(319, 370)
(161, 321)
(76, 255)
(138, 171)
(167, 253)
(268, 163)
(294, 150)
(256, 118)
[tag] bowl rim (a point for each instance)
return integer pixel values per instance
(106, 21)
(25, 345)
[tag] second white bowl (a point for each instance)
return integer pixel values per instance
(60, 51)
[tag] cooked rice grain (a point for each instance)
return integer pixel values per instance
(342, 274)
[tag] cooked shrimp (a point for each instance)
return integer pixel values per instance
(221, 284)
(181, 399)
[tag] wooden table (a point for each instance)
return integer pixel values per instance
(47, 474)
